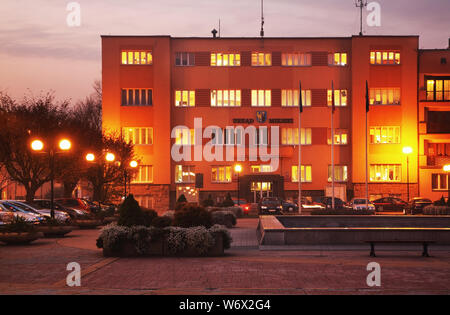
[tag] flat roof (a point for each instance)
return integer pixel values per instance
(255, 38)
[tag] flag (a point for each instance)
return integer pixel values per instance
(332, 98)
(367, 97)
(300, 101)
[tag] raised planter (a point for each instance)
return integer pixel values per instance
(19, 238)
(108, 220)
(87, 224)
(55, 231)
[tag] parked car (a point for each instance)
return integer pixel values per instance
(417, 204)
(46, 203)
(289, 206)
(28, 216)
(327, 202)
(59, 215)
(270, 205)
(5, 216)
(389, 204)
(245, 206)
(74, 203)
(360, 204)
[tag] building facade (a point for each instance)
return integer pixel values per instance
(169, 95)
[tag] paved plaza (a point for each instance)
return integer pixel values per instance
(40, 268)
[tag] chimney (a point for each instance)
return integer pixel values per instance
(214, 32)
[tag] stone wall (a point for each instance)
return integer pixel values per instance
(159, 194)
(387, 189)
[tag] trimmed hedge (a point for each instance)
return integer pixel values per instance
(191, 216)
(342, 212)
(226, 218)
(436, 210)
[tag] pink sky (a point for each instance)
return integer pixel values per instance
(39, 52)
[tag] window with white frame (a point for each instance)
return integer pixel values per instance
(138, 135)
(137, 57)
(340, 173)
(143, 175)
(184, 59)
(385, 172)
(384, 135)
(225, 98)
(306, 173)
(385, 57)
(440, 182)
(225, 60)
(145, 201)
(184, 98)
(221, 174)
(262, 98)
(290, 98)
(289, 136)
(384, 96)
(340, 98)
(184, 174)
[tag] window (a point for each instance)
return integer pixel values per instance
(305, 173)
(138, 135)
(384, 134)
(438, 89)
(138, 57)
(225, 60)
(262, 168)
(184, 98)
(221, 174)
(225, 98)
(340, 173)
(145, 201)
(295, 59)
(440, 181)
(384, 57)
(289, 136)
(184, 59)
(385, 172)
(437, 121)
(340, 98)
(261, 59)
(340, 136)
(143, 175)
(184, 136)
(137, 97)
(261, 98)
(384, 96)
(337, 59)
(289, 98)
(184, 174)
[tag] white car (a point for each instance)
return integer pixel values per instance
(59, 215)
(360, 204)
(31, 217)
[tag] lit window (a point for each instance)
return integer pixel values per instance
(267, 168)
(221, 174)
(261, 98)
(440, 182)
(145, 201)
(184, 136)
(289, 136)
(385, 172)
(306, 173)
(340, 98)
(184, 98)
(295, 59)
(138, 57)
(225, 98)
(137, 97)
(340, 136)
(384, 135)
(384, 96)
(384, 57)
(144, 174)
(225, 60)
(138, 135)
(340, 173)
(337, 59)
(438, 89)
(261, 59)
(289, 98)
(184, 59)
(184, 174)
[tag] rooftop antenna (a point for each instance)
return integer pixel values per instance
(262, 19)
(219, 27)
(360, 4)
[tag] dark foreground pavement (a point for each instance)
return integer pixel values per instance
(40, 268)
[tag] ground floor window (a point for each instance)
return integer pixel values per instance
(306, 173)
(262, 168)
(143, 175)
(145, 201)
(340, 173)
(184, 174)
(439, 181)
(221, 174)
(385, 172)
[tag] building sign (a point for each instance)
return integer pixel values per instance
(261, 117)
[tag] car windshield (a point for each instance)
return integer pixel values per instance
(271, 201)
(360, 201)
(24, 207)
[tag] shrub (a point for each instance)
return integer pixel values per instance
(436, 210)
(228, 202)
(191, 216)
(176, 240)
(208, 202)
(162, 222)
(148, 215)
(226, 236)
(226, 218)
(440, 202)
(130, 213)
(199, 239)
(182, 199)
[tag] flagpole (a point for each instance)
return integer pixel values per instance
(299, 168)
(367, 154)
(332, 145)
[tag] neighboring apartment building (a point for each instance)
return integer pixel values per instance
(152, 85)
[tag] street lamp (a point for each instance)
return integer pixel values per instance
(407, 151)
(238, 169)
(446, 168)
(38, 146)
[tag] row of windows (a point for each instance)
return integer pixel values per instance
(384, 96)
(221, 59)
(137, 97)
(289, 136)
(438, 90)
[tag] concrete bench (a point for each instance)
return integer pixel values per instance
(423, 242)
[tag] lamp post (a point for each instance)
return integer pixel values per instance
(238, 169)
(133, 164)
(407, 151)
(446, 168)
(109, 157)
(38, 146)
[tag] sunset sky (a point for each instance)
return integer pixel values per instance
(39, 52)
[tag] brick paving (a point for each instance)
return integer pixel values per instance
(40, 268)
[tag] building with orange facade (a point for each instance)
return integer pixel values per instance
(156, 87)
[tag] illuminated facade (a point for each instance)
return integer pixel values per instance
(153, 85)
